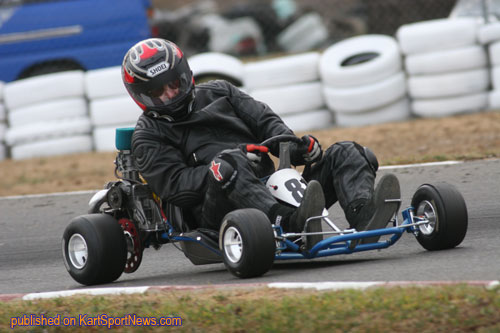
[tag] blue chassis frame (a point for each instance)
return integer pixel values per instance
(340, 244)
(330, 246)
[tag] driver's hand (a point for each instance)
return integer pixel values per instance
(253, 153)
(314, 152)
(308, 152)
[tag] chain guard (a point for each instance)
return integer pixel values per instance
(134, 246)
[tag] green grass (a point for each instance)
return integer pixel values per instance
(458, 308)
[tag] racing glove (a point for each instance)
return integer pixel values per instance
(223, 170)
(308, 152)
(253, 153)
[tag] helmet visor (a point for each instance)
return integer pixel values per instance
(161, 92)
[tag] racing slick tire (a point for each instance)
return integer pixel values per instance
(445, 208)
(94, 249)
(247, 243)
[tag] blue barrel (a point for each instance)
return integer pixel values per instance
(123, 138)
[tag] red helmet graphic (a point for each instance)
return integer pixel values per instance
(158, 78)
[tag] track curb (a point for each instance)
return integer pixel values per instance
(318, 286)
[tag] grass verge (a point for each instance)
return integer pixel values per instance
(459, 308)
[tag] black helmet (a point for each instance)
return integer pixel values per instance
(157, 76)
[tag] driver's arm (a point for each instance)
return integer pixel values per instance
(165, 169)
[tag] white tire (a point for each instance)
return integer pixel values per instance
(292, 99)
(439, 34)
(495, 77)
(285, 70)
(47, 130)
(44, 88)
(494, 100)
(217, 65)
(104, 137)
(489, 33)
(304, 34)
(308, 121)
(104, 82)
(366, 97)
(52, 147)
(3, 115)
(397, 111)
(443, 107)
(3, 131)
(385, 61)
(454, 60)
(449, 85)
(114, 110)
(3, 152)
(494, 53)
(47, 111)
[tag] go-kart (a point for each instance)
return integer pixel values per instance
(126, 217)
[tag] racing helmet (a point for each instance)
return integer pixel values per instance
(158, 78)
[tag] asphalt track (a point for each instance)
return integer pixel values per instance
(31, 228)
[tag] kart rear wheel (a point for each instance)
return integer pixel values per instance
(247, 243)
(446, 211)
(94, 249)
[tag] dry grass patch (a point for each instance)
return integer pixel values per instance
(421, 140)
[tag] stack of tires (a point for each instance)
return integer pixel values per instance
(447, 68)
(110, 106)
(364, 82)
(3, 125)
(47, 116)
(489, 36)
(213, 65)
(291, 86)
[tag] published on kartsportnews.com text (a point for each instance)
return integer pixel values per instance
(102, 320)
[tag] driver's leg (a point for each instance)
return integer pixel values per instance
(347, 174)
(233, 184)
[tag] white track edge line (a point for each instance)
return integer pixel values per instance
(388, 167)
(319, 286)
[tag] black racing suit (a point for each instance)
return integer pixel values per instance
(176, 158)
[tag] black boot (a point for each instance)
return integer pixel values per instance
(376, 212)
(312, 204)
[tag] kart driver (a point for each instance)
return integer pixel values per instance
(189, 146)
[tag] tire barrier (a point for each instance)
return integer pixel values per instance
(213, 65)
(359, 61)
(52, 147)
(364, 82)
(291, 86)
(439, 34)
(292, 99)
(3, 147)
(110, 106)
(433, 68)
(105, 82)
(448, 71)
(489, 36)
(3, 125)
(43, 88)
(45, 113)
(281, 71)
(67, 108)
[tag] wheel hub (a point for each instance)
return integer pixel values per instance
(426, 209)
(78, 251)
(134, 247)
(233, 244)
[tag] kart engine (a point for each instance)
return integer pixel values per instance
(132, 194)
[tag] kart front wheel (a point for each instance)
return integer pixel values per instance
(444, 207)
(247, 243)
(94, 249)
